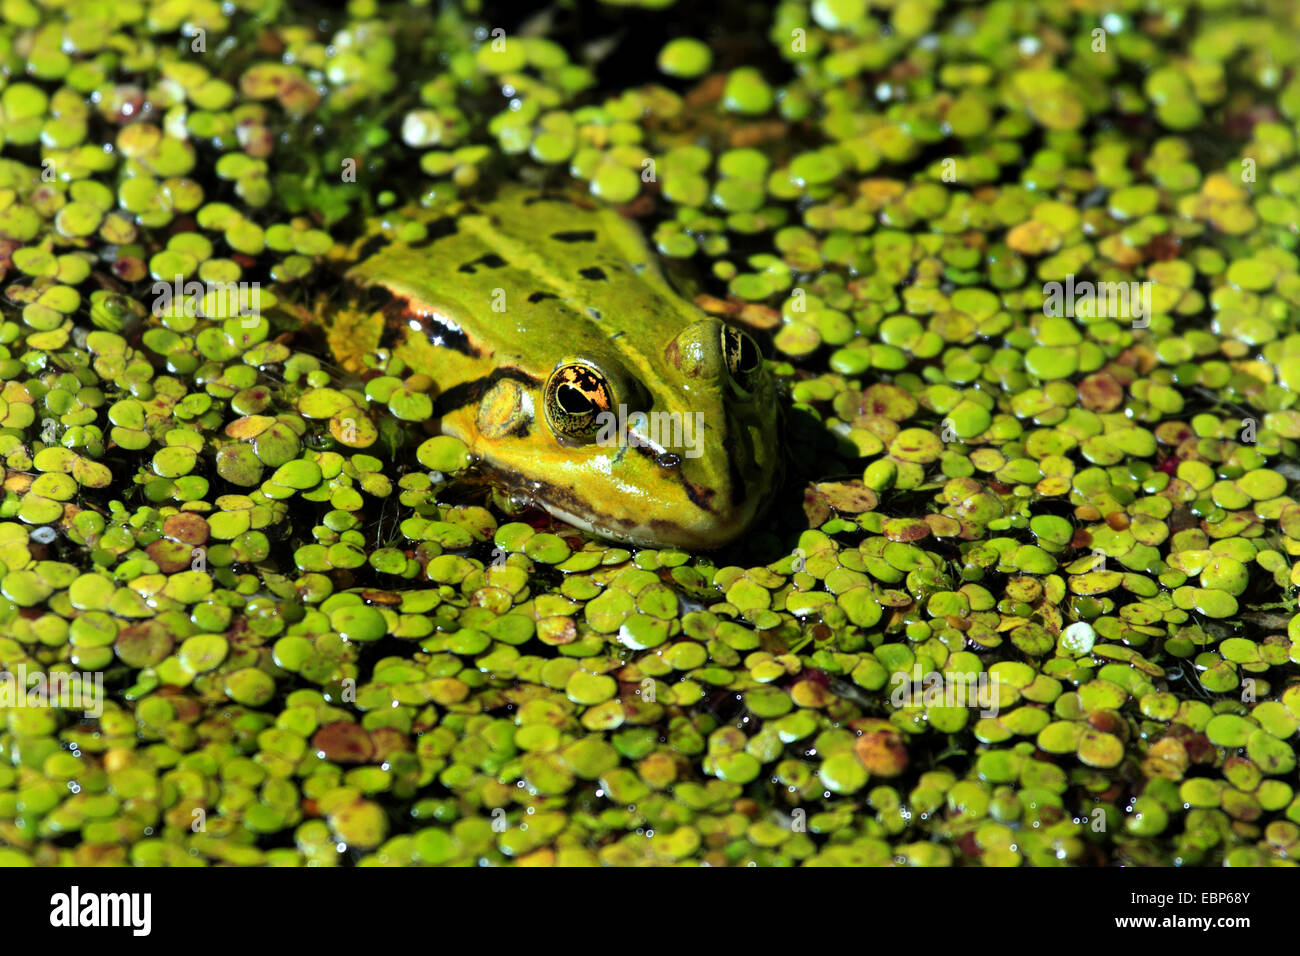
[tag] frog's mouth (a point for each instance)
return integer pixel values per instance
(640, 537)
(656, 534)
(653, 532)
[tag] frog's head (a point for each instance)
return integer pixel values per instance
(674, 447)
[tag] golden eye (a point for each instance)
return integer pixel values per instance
(575, 396)
(744, 360)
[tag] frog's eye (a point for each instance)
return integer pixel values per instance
(575, 397)
(743, 358)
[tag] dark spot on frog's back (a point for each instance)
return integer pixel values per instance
(438, 229)
(575, 235)
(595, 273)
(539, 296)
(370, 247)
(489, 260)
(375, 297)
(546, 197)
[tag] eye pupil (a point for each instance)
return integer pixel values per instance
(573, 401)
(748, 354)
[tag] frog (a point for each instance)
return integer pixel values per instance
(579, 378)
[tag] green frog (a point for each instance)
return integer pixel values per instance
(576, 375)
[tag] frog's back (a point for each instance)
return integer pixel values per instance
(529, 274)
